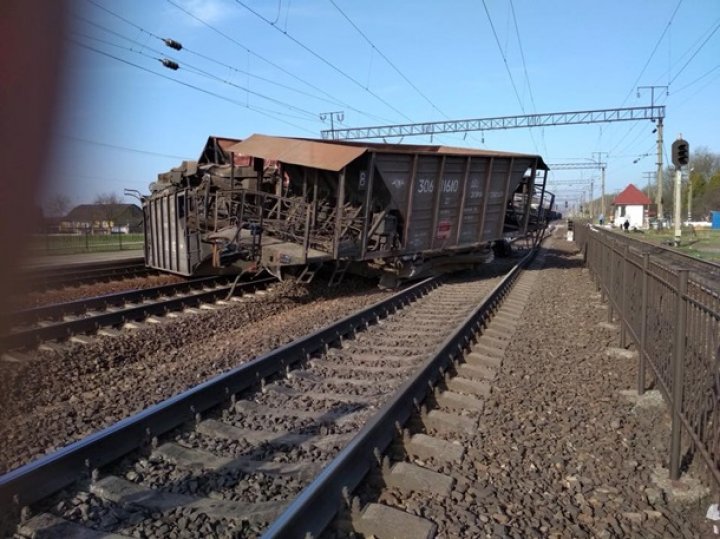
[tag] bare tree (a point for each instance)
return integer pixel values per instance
(108, 198)
(58, 205)
(107, 209)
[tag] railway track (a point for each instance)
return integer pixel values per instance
(72, 319)
(705, 271)
(231, 454)
(77, 274)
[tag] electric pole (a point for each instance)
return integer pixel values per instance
(659, 129)
(602, 182)
(648, 179)
(649, 176)
(689, 177)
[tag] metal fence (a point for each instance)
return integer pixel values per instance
(672, 315)
(82, 242)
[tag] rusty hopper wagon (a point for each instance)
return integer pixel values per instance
(289, 204)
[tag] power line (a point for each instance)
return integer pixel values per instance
(323, 60)
(131, 23)
(655, 48)
(270, 62)
(124, 148)
(264, 79)
(186, 49)
(384, 57)
(197, 88)
(689, 50)
(699, 89)
(195, 69)
(522, 56)
(507, 68)
(201, 72)
(525, 71)
(695, 53)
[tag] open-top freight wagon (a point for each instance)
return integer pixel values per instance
(288, 204)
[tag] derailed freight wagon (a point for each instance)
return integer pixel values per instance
(282, 204)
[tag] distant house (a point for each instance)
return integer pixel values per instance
(103, 219)
(631, 205)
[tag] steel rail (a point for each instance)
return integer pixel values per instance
(48, 474)
(80, 306)
(69, 274)
(311, 512)
(88, 324)
(705, 272)
(667, 248)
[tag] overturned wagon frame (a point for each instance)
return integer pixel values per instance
(404, 210)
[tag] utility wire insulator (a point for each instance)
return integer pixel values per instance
(170, 64)
(172, 43)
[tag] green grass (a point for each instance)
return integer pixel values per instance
(703, 243)
(60, 244)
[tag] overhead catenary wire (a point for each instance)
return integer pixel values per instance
(197, 88)
(275, 65)
(525, 71)
(717, 26)
(258, 77)
(175, 63)
(325, 61)
(375, 49)
(330, 98)
(633, 87)
(123, 148)
(667, 74)
(384, 57)
(196, 53)
(505, 62)
(652, 53)
(507, 69)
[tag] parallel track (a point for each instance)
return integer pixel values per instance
(207, 472)
(60, 321)
(85, 273)
(707, 270)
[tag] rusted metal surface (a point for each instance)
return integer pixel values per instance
(302, 152)
(672, 315)
(400, 210)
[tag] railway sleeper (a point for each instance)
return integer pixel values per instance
(455, 417)
(125, 492)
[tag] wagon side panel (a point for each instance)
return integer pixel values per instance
(474, 197)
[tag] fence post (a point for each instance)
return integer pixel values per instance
(120, 236)
(611, 282)
(623, 294)
(643, 324)
(678, 373)
(87, 241)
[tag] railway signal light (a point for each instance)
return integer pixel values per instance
(680, 152)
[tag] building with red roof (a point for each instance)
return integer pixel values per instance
(631, 205)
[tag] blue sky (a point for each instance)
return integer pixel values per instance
(121, 124)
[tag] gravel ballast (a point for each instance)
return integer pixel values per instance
(562, 447)
(62, 396)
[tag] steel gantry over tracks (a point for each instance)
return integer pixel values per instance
(655, 112)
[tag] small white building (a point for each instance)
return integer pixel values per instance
(631, 205)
